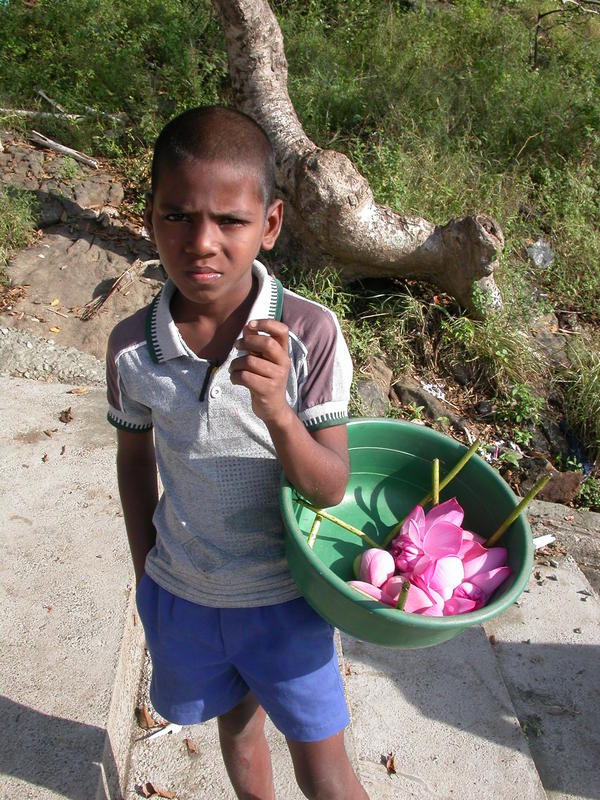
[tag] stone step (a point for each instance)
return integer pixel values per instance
(548, 651)
(70, 655)
(445, 715)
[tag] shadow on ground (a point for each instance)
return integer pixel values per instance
(554, 689)
(59, 754)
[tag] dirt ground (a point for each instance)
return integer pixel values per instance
(85, 242)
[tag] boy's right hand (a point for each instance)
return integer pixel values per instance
(264, 368)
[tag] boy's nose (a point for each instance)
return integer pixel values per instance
(202, 239)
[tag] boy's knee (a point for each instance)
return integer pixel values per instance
(244, 721)
(321, 787)
(323, 770)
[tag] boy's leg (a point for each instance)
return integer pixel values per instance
(323, 770)
(245, 750)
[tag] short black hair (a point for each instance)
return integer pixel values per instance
(217, 133)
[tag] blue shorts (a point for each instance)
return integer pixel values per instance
(205, 660)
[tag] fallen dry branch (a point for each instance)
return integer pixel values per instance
(29, 112)
(121, 118)
(39, 138)
(52, 102)
(122, 282)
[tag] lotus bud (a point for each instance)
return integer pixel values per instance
(367, 589)
(393, 586)
(372, 592)
(376, 566)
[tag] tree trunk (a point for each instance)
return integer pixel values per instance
(329, 205)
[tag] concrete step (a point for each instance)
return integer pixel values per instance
(70, 655)
(445, 714)
(548, 651)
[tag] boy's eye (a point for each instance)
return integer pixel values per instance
(231, 221)
(176, 217)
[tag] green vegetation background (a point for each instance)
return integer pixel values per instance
(438, 104)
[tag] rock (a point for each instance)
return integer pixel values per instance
(372, 402)
(561, 488)
(540, 254)
(59, 195)
(461, 374)
(374, 390)
(549, 341)
(484, 409)
(558, 444)
(407, 390)
(569, 320)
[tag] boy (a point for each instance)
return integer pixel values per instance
(222, 381)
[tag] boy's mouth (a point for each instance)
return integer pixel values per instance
(203, 275)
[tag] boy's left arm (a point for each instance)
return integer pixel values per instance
(315, 463)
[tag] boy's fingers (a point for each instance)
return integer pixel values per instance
(278, 330)
(272, 346)
(252, 363)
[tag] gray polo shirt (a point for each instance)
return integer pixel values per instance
(219, 531)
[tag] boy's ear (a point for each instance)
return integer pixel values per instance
(273, 220)
(148, 215)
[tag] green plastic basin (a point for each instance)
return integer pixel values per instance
(390, 471)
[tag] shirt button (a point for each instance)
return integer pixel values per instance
(215, 391)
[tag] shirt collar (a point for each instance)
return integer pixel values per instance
(162, 337)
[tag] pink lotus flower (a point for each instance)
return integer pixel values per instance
(376, 566)
(449, 569)
(425, 538)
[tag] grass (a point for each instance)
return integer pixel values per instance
(147, 58)
(17, 224)
(581, 386)
(438, 107)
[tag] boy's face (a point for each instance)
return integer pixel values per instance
(208, 222)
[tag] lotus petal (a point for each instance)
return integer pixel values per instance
(489, 581)
(413, 525)
(472, 592)
(406, 554)
(472, 537)
(459, 605)
(449, 511)
(482, 559)
(392, 588)
(421, 598)
(445, 575)
(366, 588)
(376, 566)
(442, 539)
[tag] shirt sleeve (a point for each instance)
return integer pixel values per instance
(324, 391)
(124, 412)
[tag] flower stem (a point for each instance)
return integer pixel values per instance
(435, 482)
(345, 525)
(443, 483)
(403, 595)
(517, 510)
(312, 536)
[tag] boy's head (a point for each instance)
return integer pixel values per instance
(216, 133)
(211, 208)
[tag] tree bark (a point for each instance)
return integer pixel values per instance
(329, 206)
